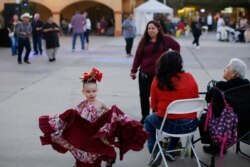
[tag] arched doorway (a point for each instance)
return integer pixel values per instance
(34, 7)
(95, 11)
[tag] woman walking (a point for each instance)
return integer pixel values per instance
(196, 30)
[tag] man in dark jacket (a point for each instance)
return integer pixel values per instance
(37, 26)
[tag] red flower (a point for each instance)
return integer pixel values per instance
(93, 75)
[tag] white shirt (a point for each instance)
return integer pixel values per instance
(209, 20)
(220, 23)
(88, 24)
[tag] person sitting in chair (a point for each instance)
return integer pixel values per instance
(170, 83)
(234, 75)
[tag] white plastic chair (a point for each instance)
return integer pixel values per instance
(183, 106)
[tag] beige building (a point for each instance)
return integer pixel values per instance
(113, 10)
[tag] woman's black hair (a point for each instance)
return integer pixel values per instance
(169, 66)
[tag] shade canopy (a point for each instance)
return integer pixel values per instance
(145, 12)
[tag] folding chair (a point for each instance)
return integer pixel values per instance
(245, 139)
(183, 106)
(239, 99)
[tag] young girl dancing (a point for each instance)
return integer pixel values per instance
(91, 131)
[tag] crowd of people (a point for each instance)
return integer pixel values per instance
(227, 28)
(230, 30)
(22, 30)
(161, 77)
(26, 29)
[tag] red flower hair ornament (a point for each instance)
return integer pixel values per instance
(91, 76)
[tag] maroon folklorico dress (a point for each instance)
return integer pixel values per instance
(92, 135)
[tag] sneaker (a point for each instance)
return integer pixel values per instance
(169, 157)
(179, 146)
(164, 143)
(156, 159)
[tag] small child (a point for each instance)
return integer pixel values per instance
(93, 139)
(91, 108)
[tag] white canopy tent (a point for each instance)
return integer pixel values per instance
(145, 12)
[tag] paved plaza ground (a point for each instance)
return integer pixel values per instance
(29, 91)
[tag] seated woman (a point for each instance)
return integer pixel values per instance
(234, 74)
(171, 83)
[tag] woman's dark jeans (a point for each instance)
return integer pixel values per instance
(178, 126)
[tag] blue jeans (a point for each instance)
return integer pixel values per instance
(74, 36)
(14, 42)
(178, 126)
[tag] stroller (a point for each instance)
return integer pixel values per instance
(238, 98)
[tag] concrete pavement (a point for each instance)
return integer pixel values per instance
(29, 91)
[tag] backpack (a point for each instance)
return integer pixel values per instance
(222, 130)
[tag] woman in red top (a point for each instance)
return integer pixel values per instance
(151, 46)
(171, 83)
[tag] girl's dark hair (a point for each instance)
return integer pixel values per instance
(91, 80)
(169, 66)
(146, 38)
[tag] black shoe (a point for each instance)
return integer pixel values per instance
(212, 150)
(35, 54)
(51, 60)
(110, 164)
(19, 62)
(54, 59)
(27, 62)
(169, 157)
(156, 159)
